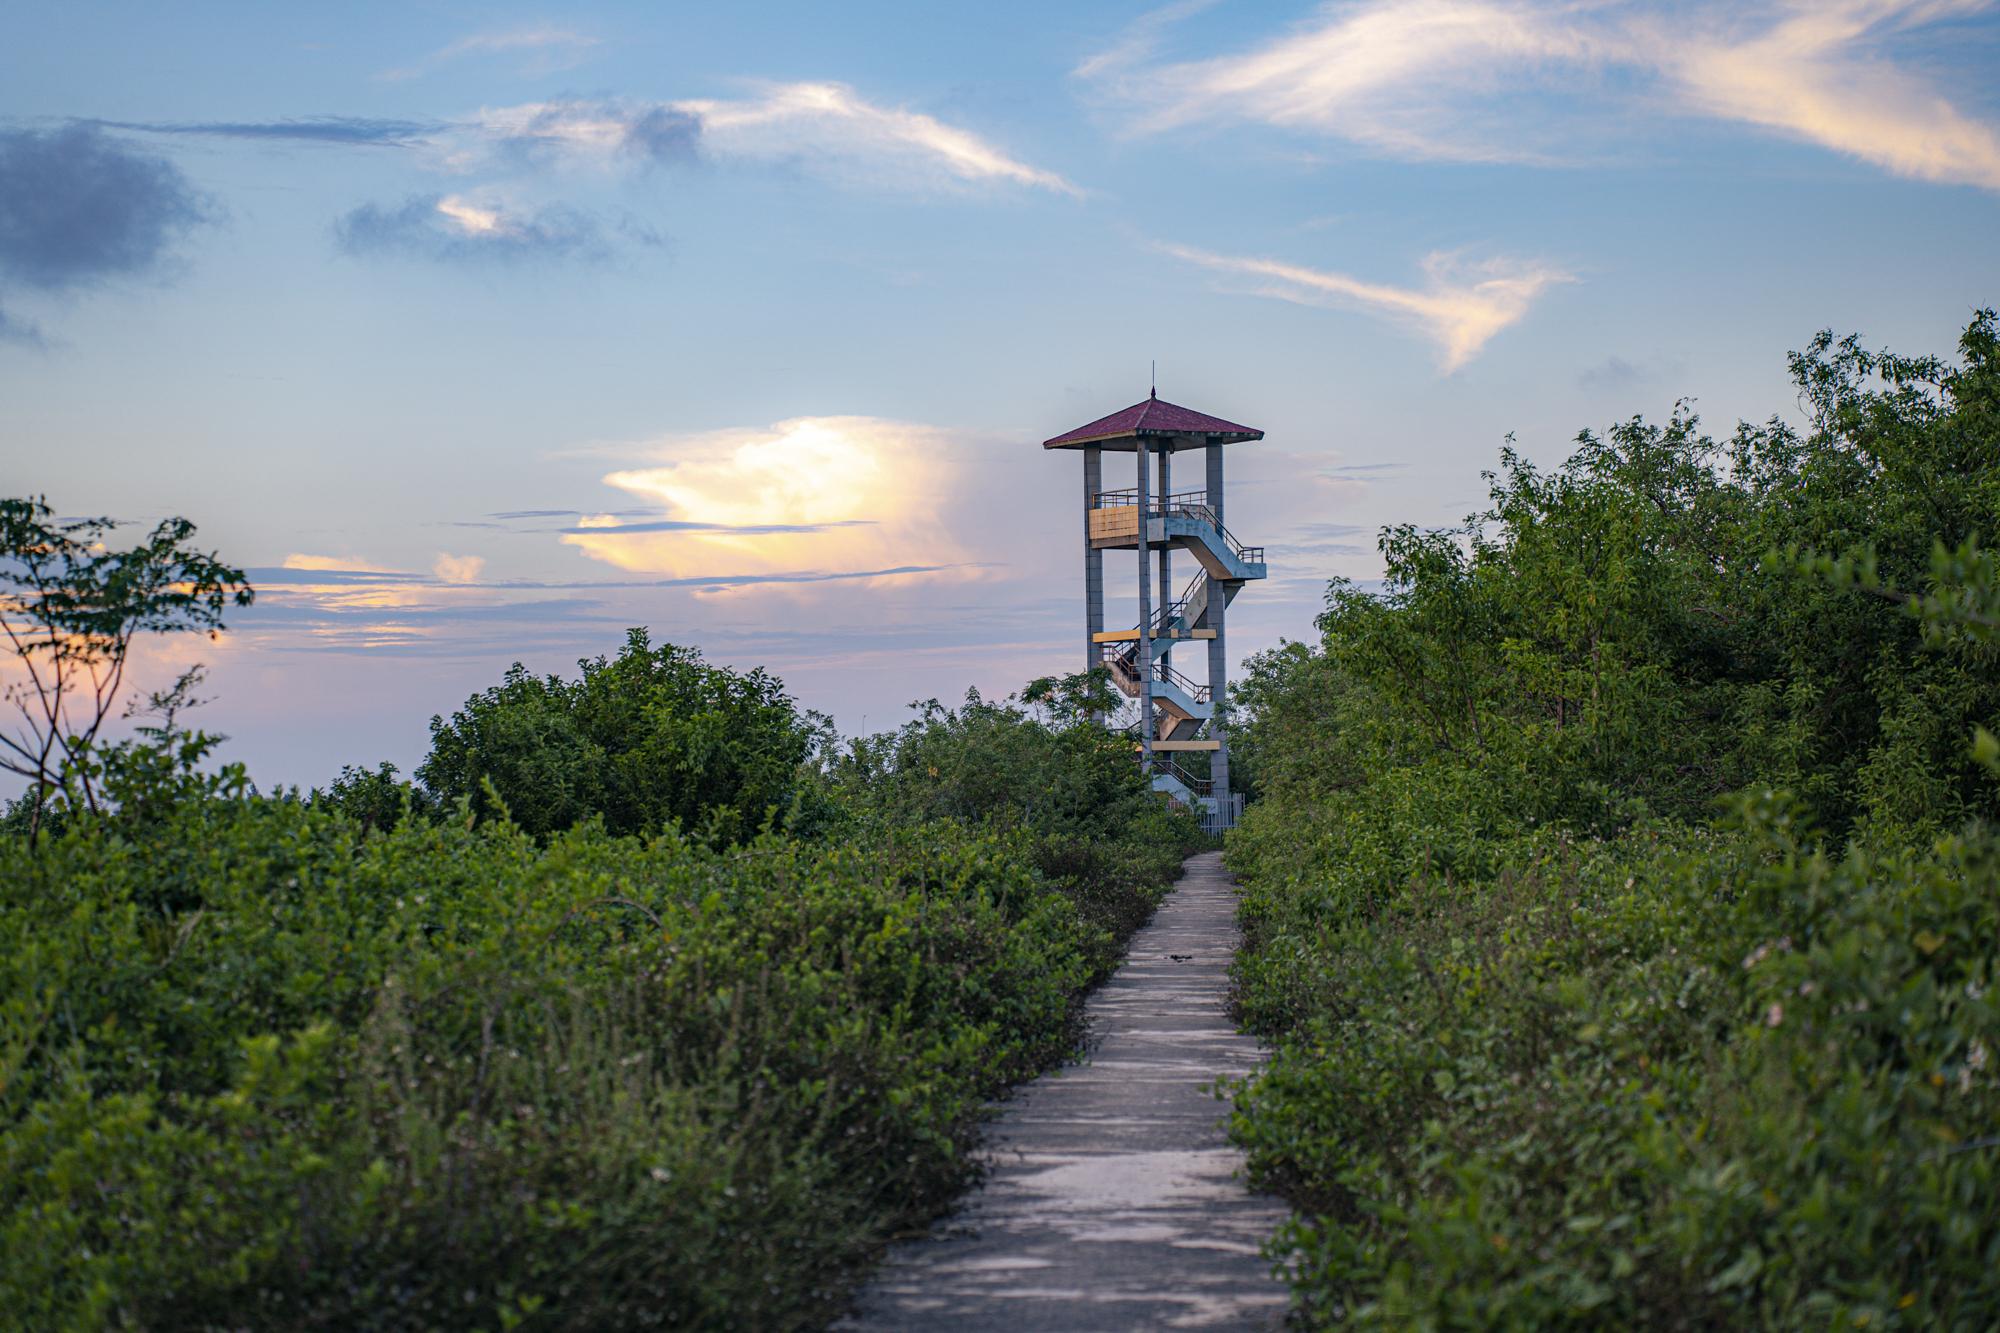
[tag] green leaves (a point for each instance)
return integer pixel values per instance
(1556, 1046)
(272, 1063)
(651, 739)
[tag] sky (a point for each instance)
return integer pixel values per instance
(481, 332)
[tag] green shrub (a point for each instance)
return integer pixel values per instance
(255, 1059)
(1555, 1047)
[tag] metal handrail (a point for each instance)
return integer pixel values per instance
(1122, 658)
(1182, 504)
(1163, 671)
(1196, 786)
(1128, 496)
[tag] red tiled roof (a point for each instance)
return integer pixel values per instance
(1152, 416)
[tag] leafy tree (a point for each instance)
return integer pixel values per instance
(1078, 697)
(652, 737)
(70, 607)
(518, 744)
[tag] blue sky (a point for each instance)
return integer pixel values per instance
(482, 332)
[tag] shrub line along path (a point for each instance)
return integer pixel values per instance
(1113, 1199)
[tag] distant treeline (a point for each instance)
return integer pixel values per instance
(1624, 891)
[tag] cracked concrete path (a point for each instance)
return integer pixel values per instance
(1113, 1199)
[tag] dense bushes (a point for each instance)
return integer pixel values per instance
(651, 737)
(1557, 1046)
(1067, 785)
(267, 1062)
(448, 1074)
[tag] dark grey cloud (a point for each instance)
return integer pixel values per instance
(346, 131)
(78, 206)
(663, 134)
(418, 229)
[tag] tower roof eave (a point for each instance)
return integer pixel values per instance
(1152, 418)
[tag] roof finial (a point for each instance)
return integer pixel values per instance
(1154, 392)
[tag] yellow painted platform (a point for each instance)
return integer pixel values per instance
(1131, 635)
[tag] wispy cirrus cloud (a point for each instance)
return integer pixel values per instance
(1459, 308)
(829, 126)
(1818, 73)
(338, 131)
(823, 128)
(1502, 80)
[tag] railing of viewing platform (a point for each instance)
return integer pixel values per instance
(1181, 504)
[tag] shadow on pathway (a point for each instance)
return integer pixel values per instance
(1113, 1201)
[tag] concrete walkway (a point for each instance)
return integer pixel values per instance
(1113, 1201)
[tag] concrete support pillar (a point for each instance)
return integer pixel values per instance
(1166, 548)
(1093, 562)
(1218, 651)
(1145, 612)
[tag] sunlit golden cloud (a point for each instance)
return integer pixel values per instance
(458, 568)
(812, 493)
(331, 562)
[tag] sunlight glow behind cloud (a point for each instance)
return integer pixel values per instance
(1460, 308)
(469, 217)
(1453, 79)
(828, 493)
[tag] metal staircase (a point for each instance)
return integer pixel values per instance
(1182, 707)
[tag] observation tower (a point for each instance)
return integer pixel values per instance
(1179, 718)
